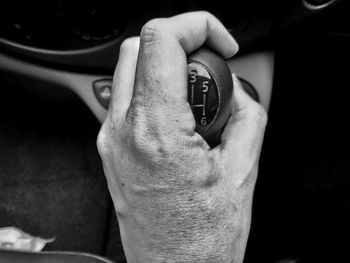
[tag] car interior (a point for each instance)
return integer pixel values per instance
(57, 60)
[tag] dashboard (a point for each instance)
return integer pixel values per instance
(61, 24)
(75, 44)
(87, 34)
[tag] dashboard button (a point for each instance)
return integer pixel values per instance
(102, 90)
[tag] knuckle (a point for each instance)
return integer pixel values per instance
(208, 17)
(206, 14)
(102, 141)
(129, 45)
(151, 31)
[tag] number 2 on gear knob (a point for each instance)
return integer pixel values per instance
(210, 89)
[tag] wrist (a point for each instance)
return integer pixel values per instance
(177, 237)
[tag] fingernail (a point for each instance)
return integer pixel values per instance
(235, 47)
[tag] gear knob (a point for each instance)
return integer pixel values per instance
(210, 90)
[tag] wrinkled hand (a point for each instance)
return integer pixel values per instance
(178, 200)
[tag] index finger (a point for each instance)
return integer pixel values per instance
(194, 29)
(161, 73)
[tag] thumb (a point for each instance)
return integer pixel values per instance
(244, 132)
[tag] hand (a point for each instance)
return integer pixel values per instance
(178, 200)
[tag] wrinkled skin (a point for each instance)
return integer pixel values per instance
(178, 200)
